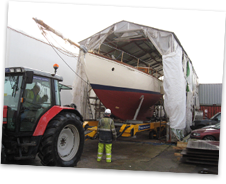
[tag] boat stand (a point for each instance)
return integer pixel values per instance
(138, 109)
(128, 129)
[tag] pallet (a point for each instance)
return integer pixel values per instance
(180, 147)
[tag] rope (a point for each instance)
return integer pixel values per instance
(43, 33)
(63, 51)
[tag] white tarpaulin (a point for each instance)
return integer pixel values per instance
(156, 49)
(80, 85)
(174, 85)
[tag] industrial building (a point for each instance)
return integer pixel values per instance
(25, 50)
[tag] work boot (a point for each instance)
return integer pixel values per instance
(98, 159)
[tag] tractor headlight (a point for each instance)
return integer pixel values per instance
(18, 69)
(14, 70)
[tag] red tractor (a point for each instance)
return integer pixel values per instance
(35, 122)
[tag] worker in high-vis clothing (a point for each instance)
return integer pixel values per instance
(106, 131)
(33, 95)
(32, 102)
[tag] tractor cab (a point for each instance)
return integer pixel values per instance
(28, 94)
(35, 123)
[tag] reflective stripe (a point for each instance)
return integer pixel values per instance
(108, 153)
(100, 153)
(99, 157)
(104, 129)
(108, 158)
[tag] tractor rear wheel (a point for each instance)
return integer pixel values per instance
(63, 141)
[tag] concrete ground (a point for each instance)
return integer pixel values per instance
(138, 154)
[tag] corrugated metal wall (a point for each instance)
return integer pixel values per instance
(210, 94)
(211, 110)
(210, 97)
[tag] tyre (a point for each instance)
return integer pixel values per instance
(158, 134)
(7, 153)
(164, 131)
(151, 135)
(3, 155)
(209, 137)
(63, 141)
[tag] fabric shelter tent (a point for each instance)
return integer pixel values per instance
(158, 50)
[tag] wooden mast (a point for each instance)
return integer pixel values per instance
(48, 28)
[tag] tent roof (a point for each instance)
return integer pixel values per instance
(134, 44)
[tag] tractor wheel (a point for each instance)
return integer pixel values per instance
(3, 155)
(63, 141)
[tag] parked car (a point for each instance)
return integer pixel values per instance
(205, 122)
(211, 132)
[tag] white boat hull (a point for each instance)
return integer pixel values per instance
(119, 87)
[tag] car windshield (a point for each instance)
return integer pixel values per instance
(216, 116)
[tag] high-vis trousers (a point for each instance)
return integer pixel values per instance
(101, 151)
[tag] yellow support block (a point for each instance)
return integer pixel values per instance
(130, 131)
(91, 127)
(85, 123)
(155, 125)
(127, 132)
(90, 123)
(91, 134)
(141, 127)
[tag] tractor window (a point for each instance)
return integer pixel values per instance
(12, 90)
(37, 100)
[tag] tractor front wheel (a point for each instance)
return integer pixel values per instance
(63, 141)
